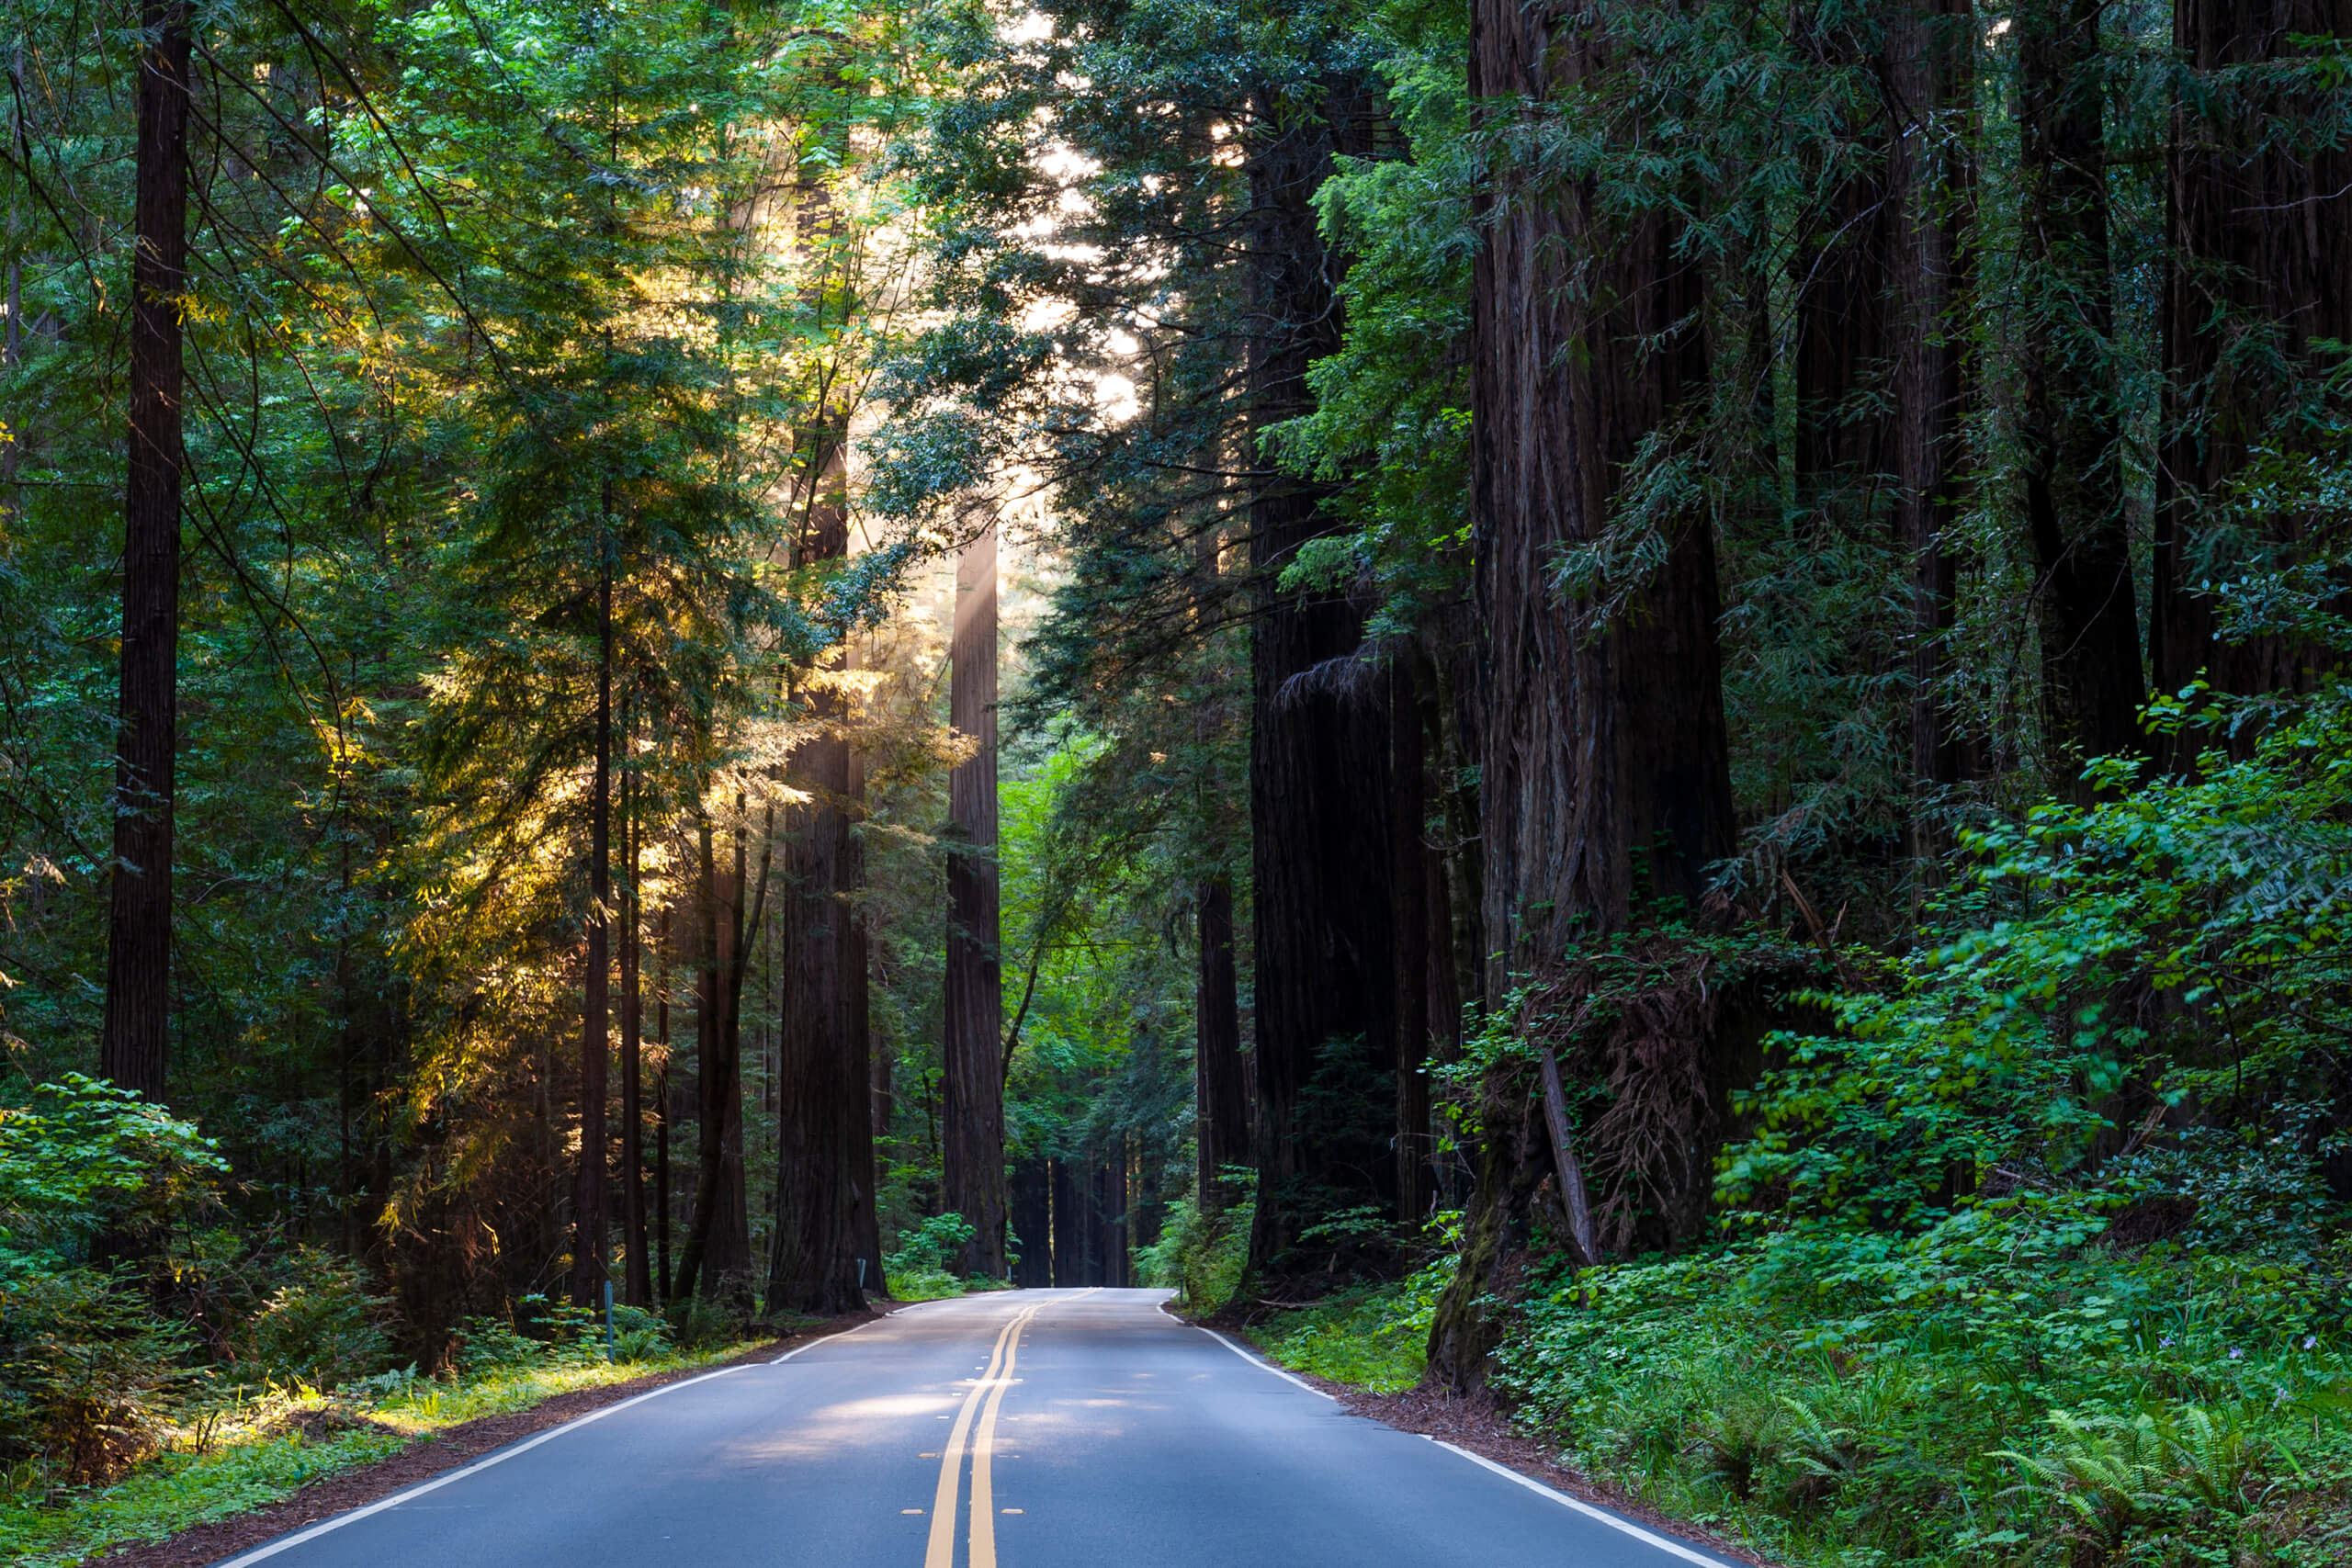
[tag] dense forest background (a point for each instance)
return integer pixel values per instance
(1650, 696)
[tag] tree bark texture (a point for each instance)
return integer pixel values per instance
(2261, 240)
(1926, 45)
(1220, 1092)
(589, 1234)
(1318, 745)
(637, 1278)
(1604, 776)
(134, 1039)
(824, 1127)
(973, 1133)
(1410, 919)
(2069, 419)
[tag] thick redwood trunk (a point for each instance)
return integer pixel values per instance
(1409, 894)
(134, 1040)
(664, 1099)
(717, 1256)
(1922, 64)
(2261, 229)
(636, 1279)
(825, 1220)
(1318, 743)
(2069, 419)
(1604, 782)
(589, 1239)
(1220, 1091)
(973, 1181)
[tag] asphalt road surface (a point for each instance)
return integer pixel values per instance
(1029, 1428)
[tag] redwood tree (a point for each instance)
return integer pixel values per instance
(135, 1038)
(972, 1130)
(1604, 774)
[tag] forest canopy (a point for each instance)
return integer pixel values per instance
(1635, 709)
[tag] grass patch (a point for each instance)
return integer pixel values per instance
(1375, 1336)
(267, 1448)
(1863, 1401)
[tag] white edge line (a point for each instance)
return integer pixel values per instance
(829, 1338)
(1267, 1366)
(288, 1542)
(1603, 1516)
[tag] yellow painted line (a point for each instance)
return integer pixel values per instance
(986, 1397)
(940, 1551)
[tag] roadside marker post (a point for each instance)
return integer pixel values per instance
(608, 1321)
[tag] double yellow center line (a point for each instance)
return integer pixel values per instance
(986, 1398)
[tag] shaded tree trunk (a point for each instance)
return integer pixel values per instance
(973, 1172)
(1220, 1094)
(134, 1039)
(2069, 418)
(591, 1235)
(2260, 225)
(636, 1279)
(1925, 49)
(1604, 776)
(1409, 891)
(1318, 743)
(663, 1096)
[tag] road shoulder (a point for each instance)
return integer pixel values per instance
(1480, 1426)
(219, 1539)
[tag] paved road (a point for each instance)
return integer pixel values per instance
(1030, 1428)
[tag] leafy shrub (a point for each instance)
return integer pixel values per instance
(89, 1376)
(922, 1268)
(325, 1327)
(1375, 1336)
(1199, 1255)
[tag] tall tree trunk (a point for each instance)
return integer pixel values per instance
(1221, 1094)
(1410, 892)
(637, 1282)
(2261, 240)
(663, 1096)
(973, 1176)
(591, 1236)
(1605, 774)
(1926, 45)
(134, 1040)
(1318, 742)
(857, 1026)
(2069, 420)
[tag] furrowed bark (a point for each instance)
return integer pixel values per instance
(589, 1239)
(973, 1176)
(2069, 419)
(2259, 214)
(1604, 776)
(135, 1038)
(1318, 745)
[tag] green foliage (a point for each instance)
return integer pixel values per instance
(79, 1156)
(1375, 1336)
(923, 1267)
(1201, 1256)
(324, 1327)
(1998, 1389)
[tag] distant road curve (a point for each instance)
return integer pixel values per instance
(1028, 1429)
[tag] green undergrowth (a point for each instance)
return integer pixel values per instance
(1375, 1336)
(260, 1449)
(1995, 1392)
(922, 1268)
